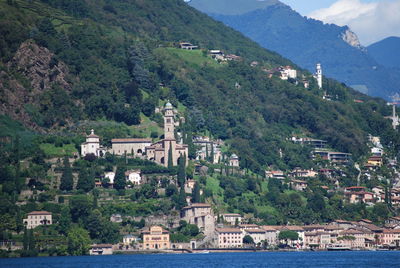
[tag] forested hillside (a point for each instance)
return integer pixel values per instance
(116, 54)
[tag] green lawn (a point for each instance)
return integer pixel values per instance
(194, 57)
(51, 150)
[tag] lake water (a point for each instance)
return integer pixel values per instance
(260, 259)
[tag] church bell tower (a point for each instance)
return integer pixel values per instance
(169, 127)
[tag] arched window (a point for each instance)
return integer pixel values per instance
(140, 151)
(162, 160)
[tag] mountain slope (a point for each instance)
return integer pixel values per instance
(231, 7)
(118, 53)
(307, 41)
(386, 52)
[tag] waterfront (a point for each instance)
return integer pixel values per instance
(261, 259)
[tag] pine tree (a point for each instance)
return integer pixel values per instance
(170, 160)
(196, 193)
(67, 180)
(182, 171)
(120, 181)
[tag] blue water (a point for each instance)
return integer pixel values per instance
(260, 259)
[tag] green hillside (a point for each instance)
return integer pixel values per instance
(114, 53)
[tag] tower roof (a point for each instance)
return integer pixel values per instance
(168, 105)
(92, 135)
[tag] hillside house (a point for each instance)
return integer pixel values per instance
(276, 174)
(304, 173)
(134, 177)
(298, 185)
(232, 218)
(287, 72)
(110, 176)
(36, 218)
(314, 143)
(187, 46)
(234, 161)
(375, 161)
(334, 157)
(357, 194)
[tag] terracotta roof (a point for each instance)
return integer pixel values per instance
(39, 213)
(269, 228)
(255, 231)
(228, 230)
(293, 228)
(130, 140)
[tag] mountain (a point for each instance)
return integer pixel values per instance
(231, 7)
(386, 52)
(64, 63)
(307, 41)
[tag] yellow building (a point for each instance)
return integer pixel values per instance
(155, 238)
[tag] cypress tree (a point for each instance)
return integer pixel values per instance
(120, 181)
(25, 239)
(170, 160)
(181, 171)
(67, 180)
(31, 239)
(85, 181)
(212, 153)
(181, 199)
(207, 155)
(196, 193)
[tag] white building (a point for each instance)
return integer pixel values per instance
(287, 72)
(92, 146)
(132, 146)
(110, 176)
(36, 218)
(232, 218)
(234, 161)
(318, 75)
(229, 238)
(134, 177)
(101, 249)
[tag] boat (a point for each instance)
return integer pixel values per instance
(337, 247)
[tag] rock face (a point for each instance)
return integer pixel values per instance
(351, 38)
(40, 66)
(33, 71)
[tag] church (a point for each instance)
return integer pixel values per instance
(159, 151)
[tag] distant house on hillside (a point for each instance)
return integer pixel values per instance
(187, 45)
(36, 218)
(92, 146)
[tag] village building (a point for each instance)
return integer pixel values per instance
(189, 186)
(110, 176)
(200, 214)
(258, 235)
(36, 218)
(287, 72)
(298, 185)
(187, 46)
(303, 173)
(133, 176)
(229, 238)
(92, 146)
(314, 143)
(159, 152)
(129, 240)
(232, 218)
(155, 238)
(334, 157)
(101, 249)
(234, 161)
(375, 161)
(207, 147)
(357, 194)
(389, 237)
(276, 174)
(271, 234)
(129, 146)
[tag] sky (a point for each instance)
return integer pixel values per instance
(371, 20)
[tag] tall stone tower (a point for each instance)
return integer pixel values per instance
(169, 127)
(318, 75)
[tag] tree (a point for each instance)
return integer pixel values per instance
(181, 171)
(288, 235)
(170, 156)
(120, 181)
(196, 193)
(181, 199)
(85, 181)
(78, 241)
(67, 180)
(65, 220)
(248, 240)
(80, 207)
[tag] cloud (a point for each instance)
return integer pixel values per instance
(370, 21)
